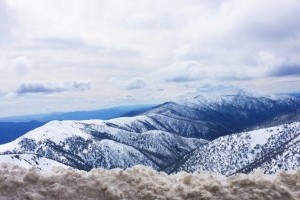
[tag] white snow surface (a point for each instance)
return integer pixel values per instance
(261, 136)
(29, 161)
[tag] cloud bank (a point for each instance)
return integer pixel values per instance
(53, 87)
(288, 70)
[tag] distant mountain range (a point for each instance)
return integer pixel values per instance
(193, 134)
(103, 114)
(13, 127)
(9, 131)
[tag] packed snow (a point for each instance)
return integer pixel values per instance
(142, 182)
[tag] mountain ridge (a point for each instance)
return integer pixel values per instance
(270, 149)
(14, 127)
(160, 137)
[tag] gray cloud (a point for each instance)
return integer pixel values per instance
(182, 72)
(287, 70)
(53, 87)
(126, 99)
(219, 88)
(181, 78)
(274, 27)
(193, 71)
(136, 83)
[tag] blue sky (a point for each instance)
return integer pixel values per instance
(87, 54)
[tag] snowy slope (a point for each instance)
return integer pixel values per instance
(30, 160)
(89, 144)
(271, 150)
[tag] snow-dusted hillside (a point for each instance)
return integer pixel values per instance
(210, 118)
(270, 149)
(162, 136)
(90, 144)
(30, 160)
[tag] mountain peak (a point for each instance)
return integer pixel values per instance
(229, 97)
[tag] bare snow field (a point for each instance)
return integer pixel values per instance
(141, 182)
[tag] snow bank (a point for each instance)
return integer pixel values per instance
(142, 182)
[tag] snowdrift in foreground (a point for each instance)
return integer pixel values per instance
(142, 182)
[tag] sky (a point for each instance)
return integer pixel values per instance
(88, 54)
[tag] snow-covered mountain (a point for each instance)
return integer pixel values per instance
(210, 118)
(269, 149)
(89, 144)
(159, 137)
